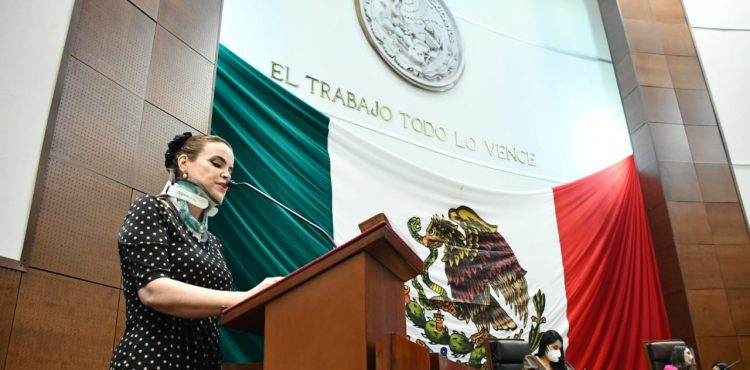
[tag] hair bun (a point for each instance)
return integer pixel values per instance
(174, 146)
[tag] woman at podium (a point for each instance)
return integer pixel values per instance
(175, 279)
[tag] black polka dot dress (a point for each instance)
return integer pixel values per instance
(154, 243)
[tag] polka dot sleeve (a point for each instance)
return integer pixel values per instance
(144, 241)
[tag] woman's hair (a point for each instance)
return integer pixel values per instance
(549, 337)
(720, 365)
(189, 145)
(677, 359)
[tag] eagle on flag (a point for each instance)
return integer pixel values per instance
(477, 262)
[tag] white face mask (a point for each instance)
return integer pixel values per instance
(554, 355)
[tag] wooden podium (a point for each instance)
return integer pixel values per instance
(330, 313)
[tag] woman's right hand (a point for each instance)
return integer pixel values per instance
(267, 282)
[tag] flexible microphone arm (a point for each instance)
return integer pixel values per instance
(733, 363)
(233, 183)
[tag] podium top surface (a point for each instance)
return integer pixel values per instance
(380, 241)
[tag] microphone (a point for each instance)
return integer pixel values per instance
(232, 183)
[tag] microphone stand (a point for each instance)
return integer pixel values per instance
(733, 363)
(299, 216)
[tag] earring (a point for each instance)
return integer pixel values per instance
(184, 174)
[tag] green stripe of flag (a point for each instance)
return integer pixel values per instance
(280, 146)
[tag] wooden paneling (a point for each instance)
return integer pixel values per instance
(627, 81)
(667, 11)
(680, 181)
(675, 39)
(363, 311)
(157, 129)
(723, 349)
(700, 267)
(670, 142)
(150, 7)
(689, 223)
(706, 145)
(733, 261)
(394, 352)
(180, 81)
(115, 38)
(651, 186)
(195, 22)
(9, 284)
(652, 70)
(670, 274)
(661, 105)
(135, 195)
(679, 315)
(744, 342)
(661, 230)
(97, 123)
(686, 72)
(716, 182)
(79, 217)
(739, 305)
(440, 362)
(643, 36)
(643, 150)
(696, 107)
(635, 9)
(62, 323)
(710, 312)
(727, 223)
(635, 112)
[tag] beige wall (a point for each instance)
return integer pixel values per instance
(27, 86)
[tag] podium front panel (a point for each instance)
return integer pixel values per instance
(334, 320)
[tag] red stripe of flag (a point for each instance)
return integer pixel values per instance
(613, 290)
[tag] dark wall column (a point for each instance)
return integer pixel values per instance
(700, 235)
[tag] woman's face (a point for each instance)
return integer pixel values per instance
(212, 168)
(688, 354)
(555, 345)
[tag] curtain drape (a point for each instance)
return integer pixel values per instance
(610, 269)
(279, 144)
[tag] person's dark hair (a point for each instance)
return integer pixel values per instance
(720, 365)
(189, 145)
(677, 358)
(549, 337)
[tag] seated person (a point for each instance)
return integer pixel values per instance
(549, 356)
(681, 359)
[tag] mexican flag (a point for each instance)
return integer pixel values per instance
(575, 258)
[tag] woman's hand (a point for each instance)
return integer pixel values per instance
(267, 282)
